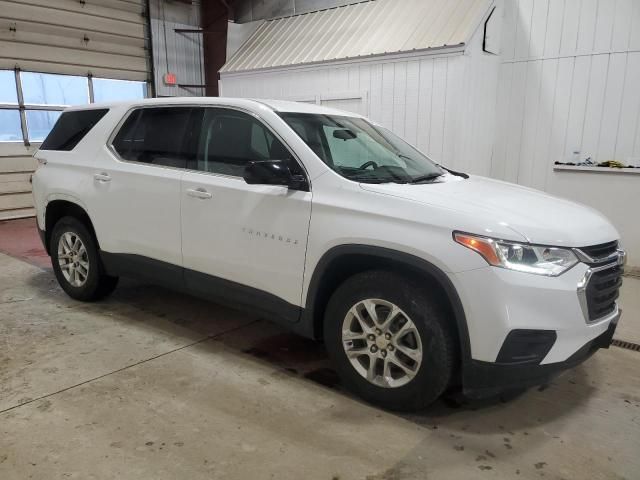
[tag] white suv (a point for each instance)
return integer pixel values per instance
(417, 278)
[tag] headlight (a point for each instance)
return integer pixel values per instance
(522, 257)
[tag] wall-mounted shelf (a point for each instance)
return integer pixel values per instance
(572, 168)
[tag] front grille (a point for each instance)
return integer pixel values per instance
(602, 251)
(602, 291)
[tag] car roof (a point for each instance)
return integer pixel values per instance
(251, 104)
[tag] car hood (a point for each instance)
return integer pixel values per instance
(537, 216)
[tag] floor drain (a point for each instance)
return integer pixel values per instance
(628, 345)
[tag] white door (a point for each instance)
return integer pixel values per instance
(135, 200)
(249, 241)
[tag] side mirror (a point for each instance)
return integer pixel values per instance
(273, 172)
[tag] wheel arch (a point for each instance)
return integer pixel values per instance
(343, 261)
(57, 209)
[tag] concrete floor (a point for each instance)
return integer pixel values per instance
(150, 384)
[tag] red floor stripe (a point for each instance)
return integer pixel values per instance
(19, 238)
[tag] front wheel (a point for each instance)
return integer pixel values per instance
(76, 263)
(390, 343)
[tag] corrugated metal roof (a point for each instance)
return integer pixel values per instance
(362, 29)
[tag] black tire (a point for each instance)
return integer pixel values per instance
(439, 350)
(97, 284)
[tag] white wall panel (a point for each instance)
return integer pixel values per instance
(595, 105)
(622, 24)
(605, 17)
(508, 38)
(386, 95)
(438, 108)
(538, 28)
(575, 89)
(452, 131)
(501, 136)
(425, 102)
(523, 16)
(516, 117)
(554, 24)
(634, 36)
(588, 15)
(578, 106)
(544, 122)
(412, 108)
(399, 98)
(561, 113)
(529, 122)
(612, 105)
(570, 26)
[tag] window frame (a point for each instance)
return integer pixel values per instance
(23, 107)
(19, 106)
(128, 113)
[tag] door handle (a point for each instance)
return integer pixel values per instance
(198, 193)
(102, 177)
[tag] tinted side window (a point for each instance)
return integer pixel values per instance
(164, 136)
(231, 139)
(72, 127)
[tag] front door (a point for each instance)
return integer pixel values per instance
(245, 243)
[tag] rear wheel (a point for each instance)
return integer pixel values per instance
(76, 262)
(390, 343)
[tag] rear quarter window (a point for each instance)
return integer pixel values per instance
(71, 128)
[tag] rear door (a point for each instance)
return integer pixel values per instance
(135, 200)
(245, 241)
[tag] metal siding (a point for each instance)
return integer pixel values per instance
(358, 30)
(182, 54)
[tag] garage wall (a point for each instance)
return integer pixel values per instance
(102, 38)
(570, 81)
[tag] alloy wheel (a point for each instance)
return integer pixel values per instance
(73, 259)
(382, 343)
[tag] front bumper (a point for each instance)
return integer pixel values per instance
(484, 379)
(497, 301)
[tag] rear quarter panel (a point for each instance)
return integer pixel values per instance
(68, 175)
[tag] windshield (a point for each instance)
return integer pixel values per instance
(360, 151)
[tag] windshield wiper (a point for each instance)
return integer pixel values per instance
(453, 172)
(426, 178)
